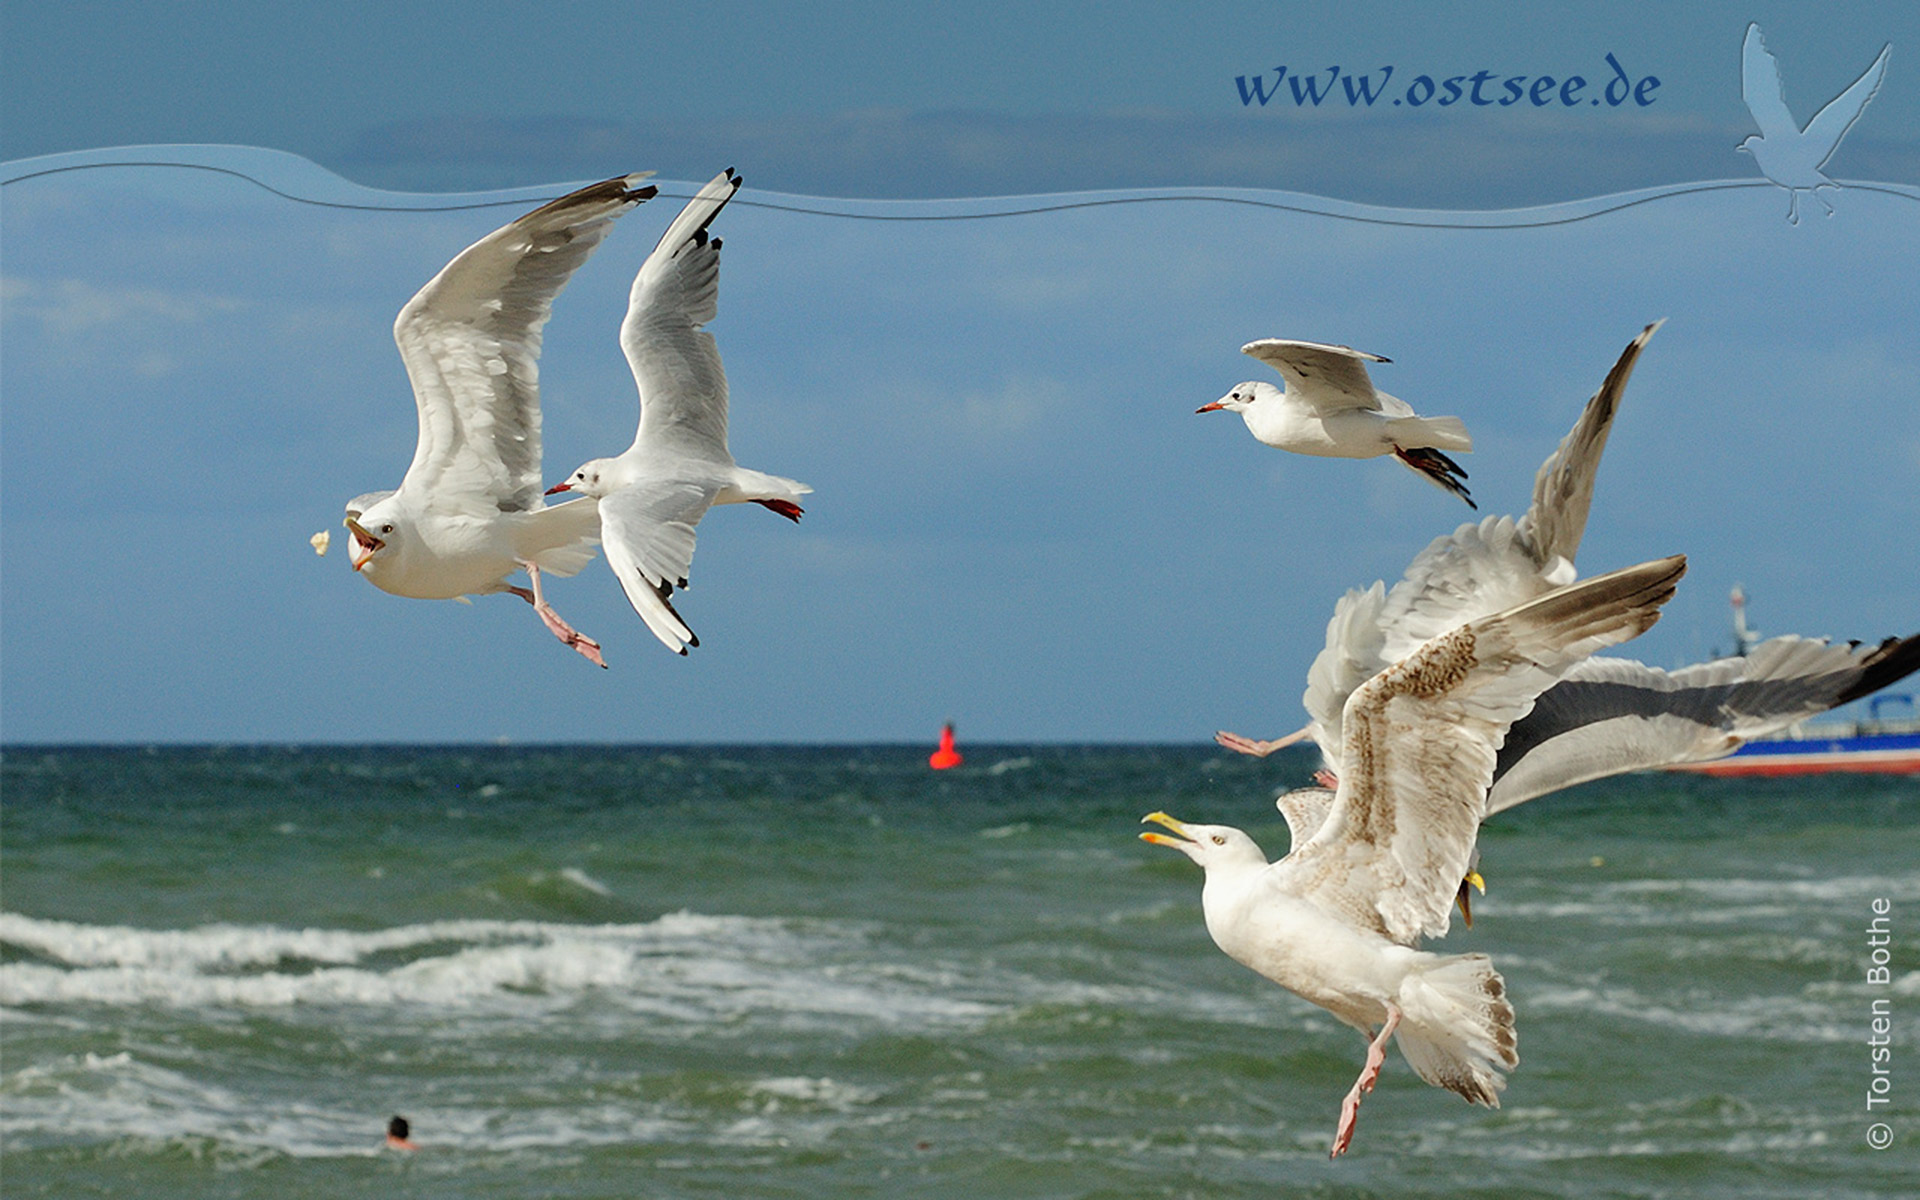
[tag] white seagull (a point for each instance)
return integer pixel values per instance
(651, 496)
(1374, 868)
(1608, 715)
(1786, 154)
(1330, 409)
(469, 511)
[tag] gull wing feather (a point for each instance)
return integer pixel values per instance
(1611, 715)
(1563, 490)
(471, 342)
(1305, 810)
(1330, 378)
(676, 363)
(646, 530)
(1760, 87)
(1421, 743)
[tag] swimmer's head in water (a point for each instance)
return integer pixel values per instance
(397, 1134)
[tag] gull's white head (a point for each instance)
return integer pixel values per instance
(379, 532)
(1242, 397)
(1212, 846)
(596, 478)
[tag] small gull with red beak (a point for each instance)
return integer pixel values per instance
(1329, 409)
(652, 495)
(469, 511)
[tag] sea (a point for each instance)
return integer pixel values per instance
(832, 972)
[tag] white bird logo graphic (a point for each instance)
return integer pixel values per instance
(1789, 155)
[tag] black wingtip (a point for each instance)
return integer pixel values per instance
(1439, 468)
(1895, 659)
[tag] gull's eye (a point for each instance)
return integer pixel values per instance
(1219, 839)
(386, 529)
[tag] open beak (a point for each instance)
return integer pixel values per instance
(1161, 839)
(364, 543)
(1216, 406)
(1465, 896)
(559, 487)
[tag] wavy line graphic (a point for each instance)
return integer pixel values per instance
(302, 181)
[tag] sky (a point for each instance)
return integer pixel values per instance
(1019, 523)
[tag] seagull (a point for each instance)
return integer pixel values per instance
(1329, 409)
(1374, 866)
(651, 496)
(1607, 715)
(469, 511)
(1788, 155)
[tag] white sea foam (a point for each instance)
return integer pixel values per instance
(683, 967)
(120, 1098)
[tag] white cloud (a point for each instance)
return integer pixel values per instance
(71, 307)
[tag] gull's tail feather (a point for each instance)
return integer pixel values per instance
(1456, 1029)
(760, 487)
(1431, 433)
(563, 537)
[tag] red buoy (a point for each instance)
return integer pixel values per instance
(946, 756)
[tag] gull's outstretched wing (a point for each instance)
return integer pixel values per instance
(1330, 378)
(683, 388)
(471, 343)
(1611, 715)
(646, 531)
(1831, 123)
(1760, 86)
(1556, 520)
(1421, 743)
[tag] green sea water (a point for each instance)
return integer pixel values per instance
(824, 972)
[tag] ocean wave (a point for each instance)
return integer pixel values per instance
(683, 967)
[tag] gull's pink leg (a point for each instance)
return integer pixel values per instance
(565, 632)
(1255, 747)
(1376, 1057)
(1327, 779)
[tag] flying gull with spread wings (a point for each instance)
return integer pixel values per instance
(652, 495)
(1329, 408)
(1374, 869)
(469, 511)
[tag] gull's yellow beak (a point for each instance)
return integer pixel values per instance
(364, 543)
(1465, 897)
(1161, 839)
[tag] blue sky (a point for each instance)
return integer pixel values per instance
(1019, 522)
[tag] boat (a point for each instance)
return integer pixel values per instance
(1879, 744)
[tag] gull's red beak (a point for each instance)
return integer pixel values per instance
(559, 487)
(1216, 406)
